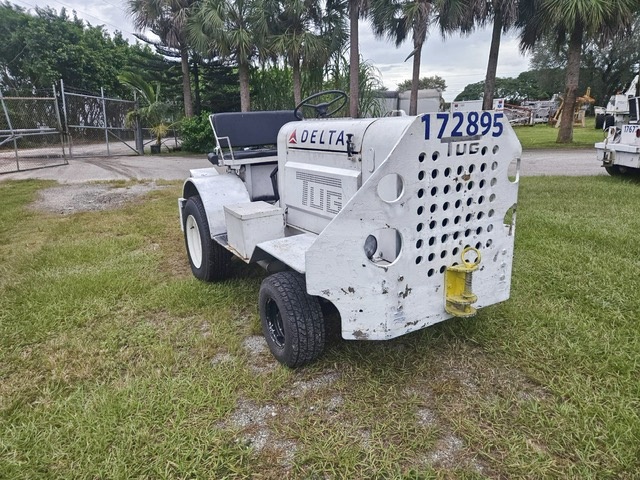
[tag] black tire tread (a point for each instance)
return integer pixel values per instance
(216, 264)
(302, 315)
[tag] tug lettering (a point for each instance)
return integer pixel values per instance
(461, 148)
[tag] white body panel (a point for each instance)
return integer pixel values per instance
(384, 300)
(621, 148)
(249, 224)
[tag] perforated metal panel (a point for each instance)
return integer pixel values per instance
(423, 205)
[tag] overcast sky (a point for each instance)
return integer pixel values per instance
(459, 61)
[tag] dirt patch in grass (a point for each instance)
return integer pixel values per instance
(72, 198)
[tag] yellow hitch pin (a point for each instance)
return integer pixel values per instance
(458, 286)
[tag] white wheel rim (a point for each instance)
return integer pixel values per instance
(193, 241)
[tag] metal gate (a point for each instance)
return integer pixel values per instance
(97, 126)
(31, 132)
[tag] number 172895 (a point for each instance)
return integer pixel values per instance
(460, 124)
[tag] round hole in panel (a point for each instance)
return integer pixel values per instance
(434, 173)
(433, 208)
(495, 149)
(420, 227)
(484, 150)
(447, 172)
(470, 185)
(432, 241)
(483, 167)
(469, 201)
(460, 170)
(458, 187)
(432, 224)
(431, 257)
(494, 165)
(491, 212)
(435, 156)
(430, 272)
(492, 197)
(383, 247)
(421, 175)
(434, 191)
(456, 235)
(479, 230)
(468, 217)
(467, 232)
(478, 245)
(421, 157)
(446, 189)
(420, 210)
(445, 206)
(419, 243)
(455, 250)
(482, 183)
(480, 215)
(457, 219)
(494, 181)
(489, 243)
(480, 200)
(390, 187)
(472, 167)
(443, 253)
(418, 260)
(421, 193)
(489, 228)
(458, 203)
(444, 238)
(445, 222)
(443, 268)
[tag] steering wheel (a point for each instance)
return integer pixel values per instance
(322, 109)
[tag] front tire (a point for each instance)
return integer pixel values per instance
(292, 321)
(209, 260)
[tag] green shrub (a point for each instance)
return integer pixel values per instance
(196, 134)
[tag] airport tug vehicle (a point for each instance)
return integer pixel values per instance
(399, 222)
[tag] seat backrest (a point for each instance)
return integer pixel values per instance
(249, 129)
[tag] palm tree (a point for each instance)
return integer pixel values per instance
(232, 28)
(297, 37)
(167, 19)
(395, 19)
(357, 9)
(573, 22)
(465, 15)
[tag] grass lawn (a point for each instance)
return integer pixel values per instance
(544, 136)
(116, 363)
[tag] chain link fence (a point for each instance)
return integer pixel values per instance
(97, 125)
(31, 133)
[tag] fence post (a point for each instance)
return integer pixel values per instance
(66, 120)
(104, 116)
(55, 102)
(15, 144)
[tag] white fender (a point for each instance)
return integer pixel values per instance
(216, 190)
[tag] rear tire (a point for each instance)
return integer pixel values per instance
(208, 259)
(613, 170)
(599, 121)
(292, 321)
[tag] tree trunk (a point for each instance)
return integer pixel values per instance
(565, 133)
(492, 65)
(354, 58)
(415, 79)
(196, 84)
(186, 82)
(245, 97)
(297, 83)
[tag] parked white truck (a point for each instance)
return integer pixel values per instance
(399, 222)
(620, 150)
